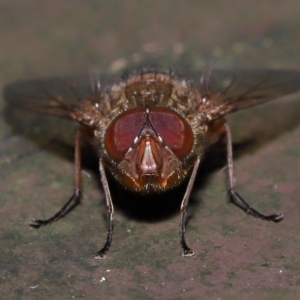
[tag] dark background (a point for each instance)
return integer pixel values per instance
(237, 256)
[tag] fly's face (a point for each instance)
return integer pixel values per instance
(149, 149)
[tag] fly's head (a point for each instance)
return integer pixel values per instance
(148, 149)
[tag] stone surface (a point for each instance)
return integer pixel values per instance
(237, 256)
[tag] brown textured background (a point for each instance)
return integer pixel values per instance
(237, 256)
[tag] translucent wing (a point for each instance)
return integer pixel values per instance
(228, 91)
(56, 96)
(53, 96)
(222, 91)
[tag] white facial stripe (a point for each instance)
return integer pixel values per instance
(148, 163)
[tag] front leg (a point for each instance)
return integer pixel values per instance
(183, 208)
(101, 254)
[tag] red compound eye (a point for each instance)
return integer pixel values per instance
(174, 130)
(172, 127)
(122, 131)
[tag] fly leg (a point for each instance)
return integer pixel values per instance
(236, 198)
(183, 208)
(75, 198)
(101, 254)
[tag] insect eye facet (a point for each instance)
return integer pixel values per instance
(171, 128)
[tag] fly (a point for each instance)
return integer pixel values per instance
(151, 128)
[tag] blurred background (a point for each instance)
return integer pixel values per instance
(237, 256)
